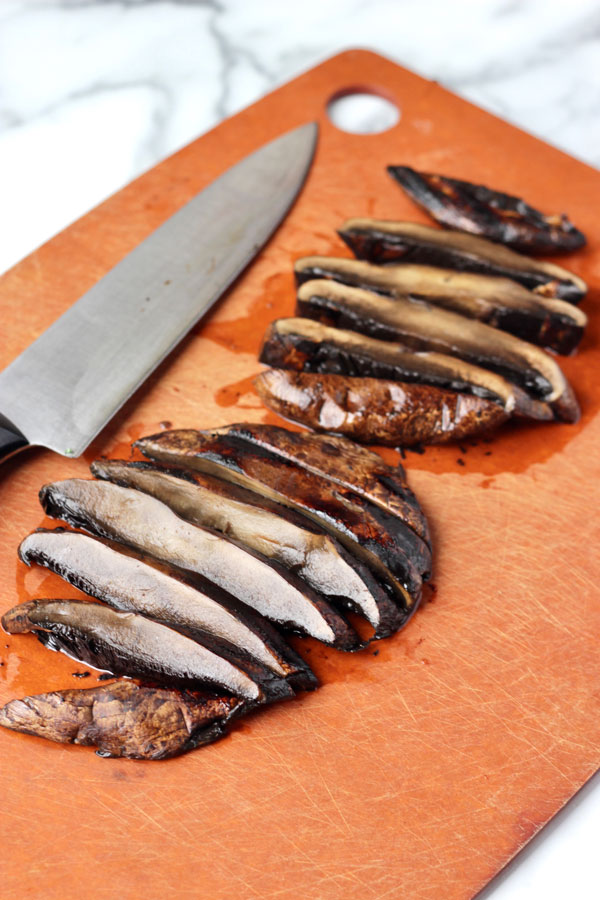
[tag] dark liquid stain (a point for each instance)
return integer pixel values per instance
(242, 726)
(121, 449)
(331, 665)
(135, 431)
(411, 647)
(323, 243)
(516, 447)
(125, 449)
(245, 334)
(20, 588)
(229, 394)
(364, 630)
(37, 583)
(429, 592)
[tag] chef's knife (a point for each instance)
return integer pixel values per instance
(62, 390)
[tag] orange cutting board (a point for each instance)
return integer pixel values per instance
(423, 765)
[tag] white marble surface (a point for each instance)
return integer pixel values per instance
(92, 93)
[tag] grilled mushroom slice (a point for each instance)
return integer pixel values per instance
(420, 326)
(375, 411)
(499, 302)
(390, 548)
(131, 585)
(492, 214)
(127, 644)
(268, 528)
(124, 719)
(133, 518)
(341, 461)
(381, 241)
(304, 345)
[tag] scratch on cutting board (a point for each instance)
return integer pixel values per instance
(289, 770)
(335, 803)
(400, 697)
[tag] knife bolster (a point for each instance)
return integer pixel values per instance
(11, 439)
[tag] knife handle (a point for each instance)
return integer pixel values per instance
(11, 439)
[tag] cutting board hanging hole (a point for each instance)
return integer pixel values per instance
(362, 111)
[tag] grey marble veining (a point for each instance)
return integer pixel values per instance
(92, 93)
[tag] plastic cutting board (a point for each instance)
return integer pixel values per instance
(417, 772)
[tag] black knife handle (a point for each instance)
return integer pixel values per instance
(11, 439)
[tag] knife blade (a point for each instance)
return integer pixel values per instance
(62, 390)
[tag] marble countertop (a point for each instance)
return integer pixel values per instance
(93, 92)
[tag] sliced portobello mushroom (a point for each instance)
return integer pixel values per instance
(493, 214)
(391, 550)
(341, 461)
(270, 529)
(499, 302)
(124, 719)
(381, 241)
(138, 520)
(304, 345)
(421, 326)
(224, 625)
(125, 643)
(376, 411)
